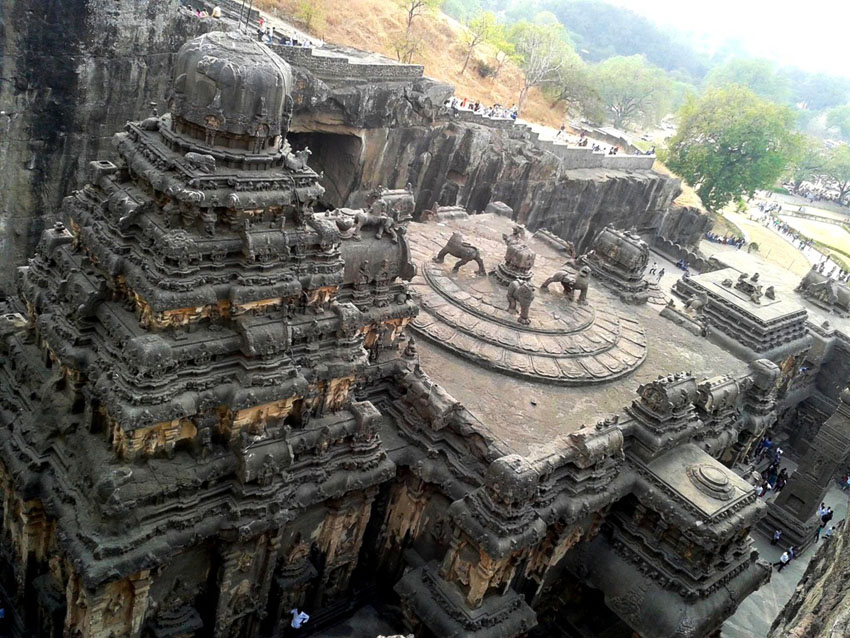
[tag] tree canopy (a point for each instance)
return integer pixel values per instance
(542, 52)
(838, 169)
(730, 143)
(809, 161)
(416, 8)
(839, 119)
(760, 76)
(632, 90)
(480, 29)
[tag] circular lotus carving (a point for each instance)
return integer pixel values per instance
(711, 480)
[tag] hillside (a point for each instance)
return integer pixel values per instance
(373, 25)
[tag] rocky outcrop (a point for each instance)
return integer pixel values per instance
(820, 606)
(73, 72)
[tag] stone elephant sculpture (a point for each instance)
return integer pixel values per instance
(520, 293)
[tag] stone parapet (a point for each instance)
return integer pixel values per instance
(328, 64)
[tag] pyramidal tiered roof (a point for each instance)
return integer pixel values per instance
(193, 301)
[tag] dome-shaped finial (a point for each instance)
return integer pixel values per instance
(230, 90)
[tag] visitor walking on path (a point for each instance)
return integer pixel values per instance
(783, 561)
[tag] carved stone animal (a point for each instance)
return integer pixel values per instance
(696, 303)
(571, 282)
(464, 251)
(201, 162)
(352, 221)
(521, 293)
(298, 161)
(150, 124)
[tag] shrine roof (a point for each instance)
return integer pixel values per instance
(785, 282)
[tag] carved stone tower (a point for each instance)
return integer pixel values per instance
(178, 429)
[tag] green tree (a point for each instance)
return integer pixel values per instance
(730, 143)
(576, 88)
(505, 50)
(311, 14)
(839, 118)
(542, 51)
(838, 169)
(760, 76)
(631, 90)
(416, 8)
(808, 161)
(478, 31)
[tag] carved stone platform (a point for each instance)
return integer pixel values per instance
(566, 343)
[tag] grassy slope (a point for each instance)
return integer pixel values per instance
(373, 25)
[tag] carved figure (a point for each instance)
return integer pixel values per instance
(150, 124)
(696, 303)
(200, 162)
(522, 293)
(571, 282)
(352, 221)
(298, 161)
(464, 251)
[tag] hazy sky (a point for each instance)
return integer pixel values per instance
(812, 35)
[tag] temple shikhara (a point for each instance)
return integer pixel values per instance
(224, 398)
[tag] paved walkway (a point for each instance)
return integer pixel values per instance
(757, 613)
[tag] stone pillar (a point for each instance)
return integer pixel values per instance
(795, 509)
(140, 584)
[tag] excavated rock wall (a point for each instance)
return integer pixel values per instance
(72, 72)
(820, 606)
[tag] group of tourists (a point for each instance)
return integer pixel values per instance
(656, 272)
(202, 13)
(835, 272)
(495, 112)
(774, 478)
(726, 240)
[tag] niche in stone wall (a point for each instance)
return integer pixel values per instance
(336, 155)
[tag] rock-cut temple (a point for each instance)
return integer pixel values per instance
(221, 401)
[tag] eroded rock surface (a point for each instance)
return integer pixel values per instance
(74, 71)
(820, 607)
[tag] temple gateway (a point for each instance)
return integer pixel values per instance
(223, 400)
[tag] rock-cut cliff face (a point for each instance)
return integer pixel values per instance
(72, 72)
(469, 164)
(820, 606)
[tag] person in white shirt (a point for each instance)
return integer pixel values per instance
(299, 618)
(783, 561)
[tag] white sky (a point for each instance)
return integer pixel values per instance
(813, 35)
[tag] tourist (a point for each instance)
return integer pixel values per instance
(783, 561)
(828, 533)
(652, 270)
(827, 516)
(660, 275)
(299, 619)
(777, 536)
(846, 484)
(216, 12)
